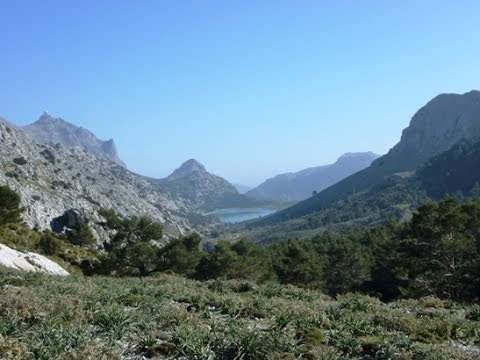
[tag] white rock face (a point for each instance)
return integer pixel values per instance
(29, 262)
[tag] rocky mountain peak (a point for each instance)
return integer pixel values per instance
(187, 168)
(47, 118)
(52, 130)
(202, 189)
(442, 122)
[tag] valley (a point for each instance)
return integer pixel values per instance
(235, 275)
(247, 180)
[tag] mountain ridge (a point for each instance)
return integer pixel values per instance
(203, 190)
(52, 130)
(187, 168)
(299, 185)
(54, 179)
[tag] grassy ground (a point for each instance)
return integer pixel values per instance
(169, 317)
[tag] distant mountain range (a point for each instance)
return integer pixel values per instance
(437, 154)
(300, 185)
(52, 130)
(193, 182)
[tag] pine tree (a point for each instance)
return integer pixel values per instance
(10, 209)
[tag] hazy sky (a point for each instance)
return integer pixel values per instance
(249, 88)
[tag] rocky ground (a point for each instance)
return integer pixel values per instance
(54, 179)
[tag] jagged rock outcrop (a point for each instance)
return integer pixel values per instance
(51, 130)
(54, 179)
(29, 261)
(301, 184)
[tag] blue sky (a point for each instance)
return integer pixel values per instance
(249, 88)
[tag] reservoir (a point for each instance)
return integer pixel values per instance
(236, 215)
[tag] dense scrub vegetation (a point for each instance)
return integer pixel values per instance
(170, 317)
(436, 253)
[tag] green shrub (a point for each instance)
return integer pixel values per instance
(114, 321)
(20, 161)
(48, 154)
(182, 255)
(10, 209)
(81, 234)
(168, 316)
(240, 260)
(49, 244)
(473, 313)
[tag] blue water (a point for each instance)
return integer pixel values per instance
(236, 215)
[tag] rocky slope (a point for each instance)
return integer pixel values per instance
(51, 130)
(54, 179)
(301, 184)
(201, 189)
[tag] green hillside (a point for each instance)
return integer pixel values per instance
(454, 171)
